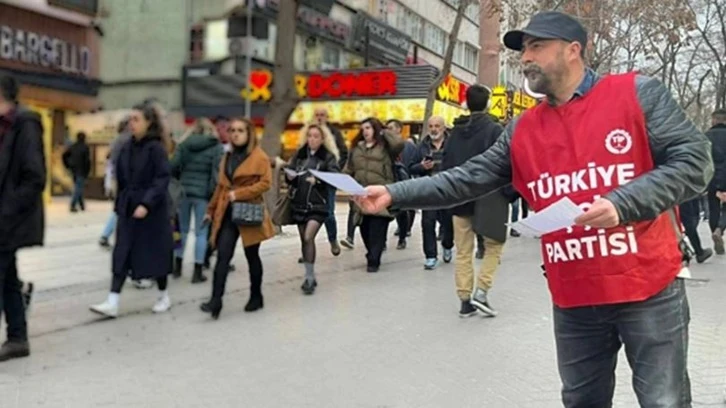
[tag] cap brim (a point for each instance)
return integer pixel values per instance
(514, 40)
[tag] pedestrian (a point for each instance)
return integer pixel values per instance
(22, 181)
(245, 175)
(716, 217)
(690, 217)
(426, 163)
(404, 219)
(371, 162)
(196, 162)
(331, 224)
(310, 196)
(110, 184)
(77, 159)
(472, 135)
(144, 239)
(622, 149)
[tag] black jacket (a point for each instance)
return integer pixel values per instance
(472, 135)
(78, 159)
(717, 136)
(426, 148)
(340, 144)
(681, 154)
(22, 181)
(311, 195)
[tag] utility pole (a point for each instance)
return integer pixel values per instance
(248, 55)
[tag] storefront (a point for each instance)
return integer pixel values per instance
(349, 96)
(57, 65)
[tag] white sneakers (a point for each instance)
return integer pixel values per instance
(162, 304)
(109, 308)
(106, 309)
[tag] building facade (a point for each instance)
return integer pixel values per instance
(52, 48)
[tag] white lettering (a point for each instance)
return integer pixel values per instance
(573, 248)
(607, 175)
(31, 48)
(604, 244)
(6, 43)
(626, 173)
(578, 182)
(19, 51)
(544, 178)
(593, 177)
(562, 184)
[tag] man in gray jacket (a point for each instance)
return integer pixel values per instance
(658, 159)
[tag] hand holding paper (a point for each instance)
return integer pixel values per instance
(340, 181)
(557, 216)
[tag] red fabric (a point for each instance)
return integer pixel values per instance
(583, 150)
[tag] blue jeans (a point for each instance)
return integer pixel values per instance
(331, 224)
(79, 183)
(199, 207)
(655, 335)
(110, 226)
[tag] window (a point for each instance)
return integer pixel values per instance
(471, 57)
(472, 12)
(435, 39)
(412, 24)
(331, 58)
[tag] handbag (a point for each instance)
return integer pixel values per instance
(282, 213)
(247, 214)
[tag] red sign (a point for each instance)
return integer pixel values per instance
(335, 85)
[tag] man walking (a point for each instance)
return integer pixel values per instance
(472, 135)
(717, 136)
(22, 180)
(404, 219)
(427, 162)
(331, 224)
(623, 150)
(78, 160)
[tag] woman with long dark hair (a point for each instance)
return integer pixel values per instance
(310, 198)
(143, 234)
(245, 174)
(371, 162)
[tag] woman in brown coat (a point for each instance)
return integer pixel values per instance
(244, 175)
(371, 162)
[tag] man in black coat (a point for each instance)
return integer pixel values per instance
(78, 160)
(22, 180)
(717, 136)
(404, 219)
(331, 224)
(471, 136)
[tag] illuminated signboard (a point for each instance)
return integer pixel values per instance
(452, 90)
(328, 85)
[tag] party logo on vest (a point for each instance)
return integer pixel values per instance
(618, 141)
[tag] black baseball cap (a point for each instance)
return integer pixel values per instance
(549, 25)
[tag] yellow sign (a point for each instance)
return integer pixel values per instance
(503, 100)
(452, 90)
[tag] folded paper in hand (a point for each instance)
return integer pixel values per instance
(557, 216)
(340, 181)
(292, 173)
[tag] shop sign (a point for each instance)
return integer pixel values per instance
(43, 50)
(384, 42)
(452, 90)
(333, 85)
(315, 22)
(504, 101)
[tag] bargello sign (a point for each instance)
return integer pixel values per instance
(43, 50)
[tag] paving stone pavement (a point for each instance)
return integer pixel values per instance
(391, 339)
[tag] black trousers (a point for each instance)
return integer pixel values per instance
(716, 212)
(690, 216)
(374, 231)
(428, 227)
(11, 297)
(350, 231)
(226, 244)
(117, 282)
(405, 219)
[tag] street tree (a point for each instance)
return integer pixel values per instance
(710, 16)
(448, 57)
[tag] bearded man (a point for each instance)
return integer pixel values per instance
(621, 148)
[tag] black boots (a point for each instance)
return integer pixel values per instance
(14, 349)
(198, 277)
(214, 307)
(256, 302)
(177, 271)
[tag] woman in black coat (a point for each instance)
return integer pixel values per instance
(143, 234)
(310, 198)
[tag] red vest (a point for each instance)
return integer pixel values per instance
(583, 150)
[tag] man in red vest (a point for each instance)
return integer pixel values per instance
(621, 148)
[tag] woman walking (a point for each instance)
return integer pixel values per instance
(310, 198)
(371, 162)
(196, 161)
(143, 233)
(245, 174)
